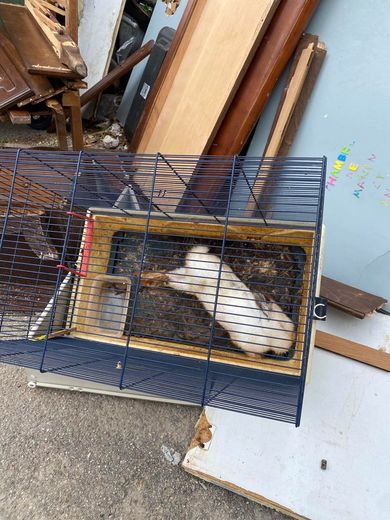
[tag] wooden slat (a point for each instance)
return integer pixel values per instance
(52, 7)
(352, 350)
(297, 75)
(72, 19)
(292, 91)
(268, 63)
(117, 72)
(349, 299)
(35, 100)
(209, 63)
(300, 107)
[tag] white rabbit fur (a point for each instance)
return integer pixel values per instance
(251, 328)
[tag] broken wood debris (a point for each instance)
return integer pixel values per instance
(41, 63)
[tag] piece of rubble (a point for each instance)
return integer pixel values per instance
(115, 130)
(110, 142)
(171, 455)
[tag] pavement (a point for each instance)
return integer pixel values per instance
(75, 456)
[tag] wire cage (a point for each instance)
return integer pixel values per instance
(162, 275)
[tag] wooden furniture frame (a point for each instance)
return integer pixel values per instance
(63, 38)
(104, 228)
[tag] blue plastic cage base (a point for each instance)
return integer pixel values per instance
(239, 389)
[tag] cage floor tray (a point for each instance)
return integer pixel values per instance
(272, 263)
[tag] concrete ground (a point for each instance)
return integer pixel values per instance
(74, 456)
(67, 455)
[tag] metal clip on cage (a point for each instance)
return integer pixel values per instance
(177, 277)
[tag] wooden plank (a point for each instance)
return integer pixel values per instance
(33, 47)
(268, 63)
(208, 66)
(117, 72)
(19, 117)
(181, 29)
(292, 91)
(290, 96)
(349, 299)
(351, 349)
(300, 107)
(200, 83)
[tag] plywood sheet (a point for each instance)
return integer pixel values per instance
(212, 56)
(280, 466)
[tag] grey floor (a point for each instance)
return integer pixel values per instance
(76, 456)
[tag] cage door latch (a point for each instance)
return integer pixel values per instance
(320, 308)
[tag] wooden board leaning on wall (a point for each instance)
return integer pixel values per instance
(203, 71)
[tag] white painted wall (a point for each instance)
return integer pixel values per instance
(98, 29)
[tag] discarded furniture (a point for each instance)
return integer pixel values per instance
(42, 66)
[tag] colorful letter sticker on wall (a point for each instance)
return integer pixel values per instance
(337, 167)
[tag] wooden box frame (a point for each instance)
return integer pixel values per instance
(107, 223)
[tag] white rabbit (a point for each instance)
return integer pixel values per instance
(251, 328)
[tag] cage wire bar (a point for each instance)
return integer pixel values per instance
(157, 274)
